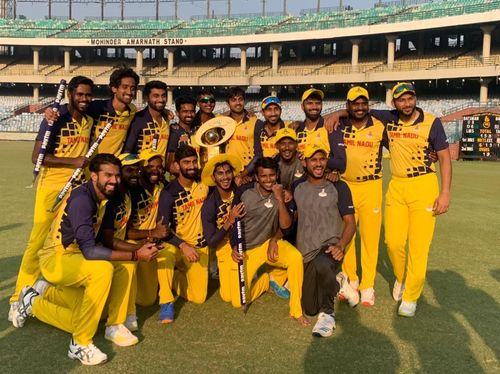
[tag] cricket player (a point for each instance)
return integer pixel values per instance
(241, 144)
(325, 227)
(206, 104)
(290, 165)
(182, 132)
(66, 151)
(414, 198)
(219, 213)
(313, 131)
(364, 138)
(80, 270)
(180, 205)
(150, 127)
(123, 85)
(265, 218)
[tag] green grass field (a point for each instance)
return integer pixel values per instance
(456, 330)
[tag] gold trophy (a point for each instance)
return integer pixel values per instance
(212, 137)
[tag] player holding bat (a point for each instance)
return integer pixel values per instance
(219, 214)
(48, 131)
(65, 152)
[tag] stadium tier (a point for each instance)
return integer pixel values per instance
(242, 26)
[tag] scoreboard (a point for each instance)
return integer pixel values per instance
(481, 137)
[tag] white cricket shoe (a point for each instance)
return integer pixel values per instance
(324, 326)
(86, 354)
(346, 290)
(407, 308)
(368, 297)
(12, 307)
(131, 322)
(23, 311)
(120, 335)
(397, 290)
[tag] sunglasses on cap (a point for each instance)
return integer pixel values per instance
(206, 100)
(402, 88)
(270, 100)
(130, 157)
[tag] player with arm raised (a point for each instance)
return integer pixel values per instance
(65, 152)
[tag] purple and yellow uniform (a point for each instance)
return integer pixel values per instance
(179, 136)
(363, 175)
(143, 132)
(144, 217)
(410, 197)
(69, 138)
(241, 144)
(214, 213)
(102, 111)
(181, 208)
(80, 284)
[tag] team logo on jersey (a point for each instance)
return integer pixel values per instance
(370, 135)
(268, 204)
(322, 193)
(298, 174)
(486, 123)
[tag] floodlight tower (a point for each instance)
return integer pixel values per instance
(7, 8)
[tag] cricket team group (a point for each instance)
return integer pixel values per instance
(157, 205)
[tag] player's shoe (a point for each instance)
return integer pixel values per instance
(407, 308)
(87, 354)
(12, 307)
(324, 326)
(368, 297)
(397, 291)
(354, 285)
(166, 313)
(23, 310)
(131, 322)
(280, 291)
(346, 290)
(120, 335)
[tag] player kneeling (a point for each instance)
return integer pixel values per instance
(80, 271)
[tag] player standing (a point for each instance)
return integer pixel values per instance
(150, 127)
(364, 140)
(413, 199)
(65, 152)
(206, 103)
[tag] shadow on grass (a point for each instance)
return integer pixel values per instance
(495, 274)
(355, 348)
(11, 226)
(480, 309)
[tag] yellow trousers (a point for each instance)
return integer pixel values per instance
(288, 257)
(145, 284)
(81, 287)
(29, 271)
(120, 299)
(409, 217)
(225, 264)
(367, 199)
(189, 279)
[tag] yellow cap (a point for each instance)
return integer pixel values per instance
(357, 92)
(148, 154)
(285, 132)
(208, 169)
(268, 100)
(311, 91)
(312, 148)
(401, 88)
(129, 159)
